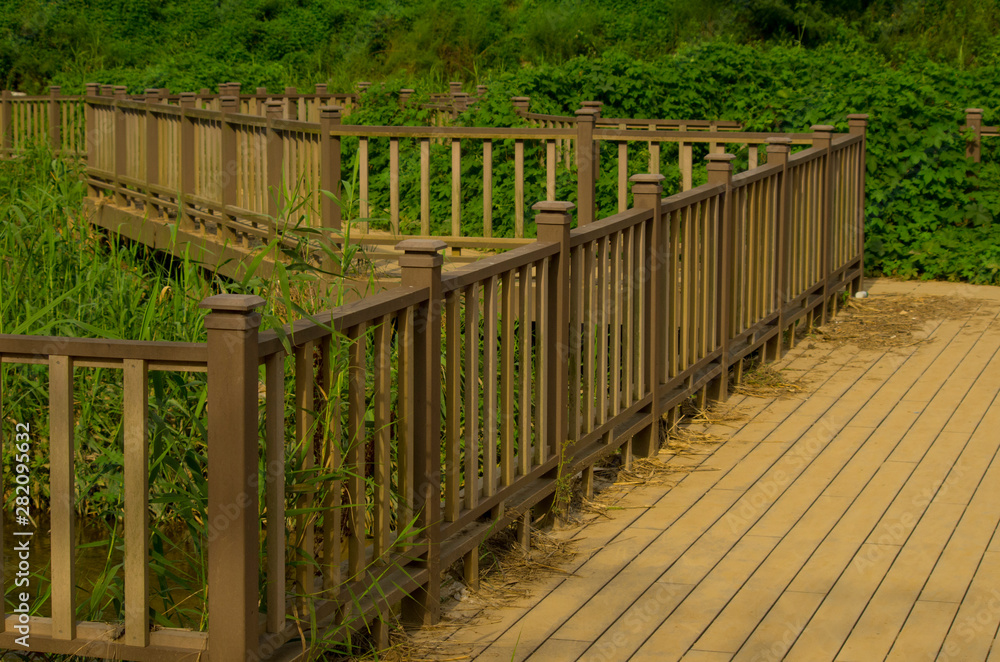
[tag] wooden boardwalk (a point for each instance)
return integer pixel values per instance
(855, 522)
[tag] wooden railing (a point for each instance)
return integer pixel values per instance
(227, 174)
(448, 407)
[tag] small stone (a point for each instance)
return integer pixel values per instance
(860, 295)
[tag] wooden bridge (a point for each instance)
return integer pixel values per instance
(450, 405)
(856, 521)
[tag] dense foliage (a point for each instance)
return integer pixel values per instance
(195, 43)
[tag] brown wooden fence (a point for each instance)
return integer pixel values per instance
(218, 172)
(462, 400)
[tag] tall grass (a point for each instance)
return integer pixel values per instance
(59, 276)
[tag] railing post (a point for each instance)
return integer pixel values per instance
(275, 155)
(553, 222)
(91, 133)
(121, 152)
(777, 154)
(720, 171)
(823, 139)
(460, 103)
(595, 106)
(233, 512)
(521, 105)
(291, 102)
(55, 120)
(586, 166)
(152, 152)
(404, 95)
(647, 193)
(107, 90)
(6, 124)
(228, 105)
(331, 213)
(858, 125)
(420, 266)
(187, 164)
(974, 121)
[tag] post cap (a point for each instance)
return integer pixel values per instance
(274, 106)
(818, 128)
(974, 111)
(320, 88)
(521, 99)
(720, 158)
(330, 112)
(858, 116)
(647, 178)
(406, 90)
(234, 303)
(481, 89)
(421, 246)
(54, 89)
(553, 206)
(586, 112)
(228, 101)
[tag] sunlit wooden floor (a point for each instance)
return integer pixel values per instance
(854, 522)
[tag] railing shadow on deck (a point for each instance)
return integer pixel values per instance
(435, 413)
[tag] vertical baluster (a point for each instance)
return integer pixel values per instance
(507, 378)
(135, 408)
(453, 404)
(518, 188)
(487, 188)
(616, 322)
(63, 497)
(622, 176)
(490, 387)
(304, 429)
(589, 320)
(363, 177)
(425, 186)
(394, 184)
(603, 306)
(354, 460)
(524, 314)
(550, 169)
(471, 295)
(274, 494)
(383, 440)
(405, 434)
(456, 190)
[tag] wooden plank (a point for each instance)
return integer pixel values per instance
(490, 372)
(471, 409)
(519, 188)
(453, 407)
(354, 457)
(487, 188)
(305, 419)
(525, 370)
(63, 497)
(507, 379)
(425, 186)
(394, 185)
(135, 408)
(274, 491)
(382, 470)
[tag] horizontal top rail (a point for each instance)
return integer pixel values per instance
(758, 173)
(755, 137)
(343, 317)
(680, 200)
(608, 225)
(638, 122)
(16, 348)
(455, 132)
(496, 265)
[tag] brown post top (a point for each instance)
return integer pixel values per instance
(229, 104)
(232, 303)
(778, 149)
(330, 112)
(120, 91)
(187, 99)
(93, 89)
(320, 88)
(720, 168)
(273, 108)
(650, 179)
(54, 90)
(973, 111)
(421, 247)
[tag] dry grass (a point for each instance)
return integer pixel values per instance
(891, 321)
(764, 381)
